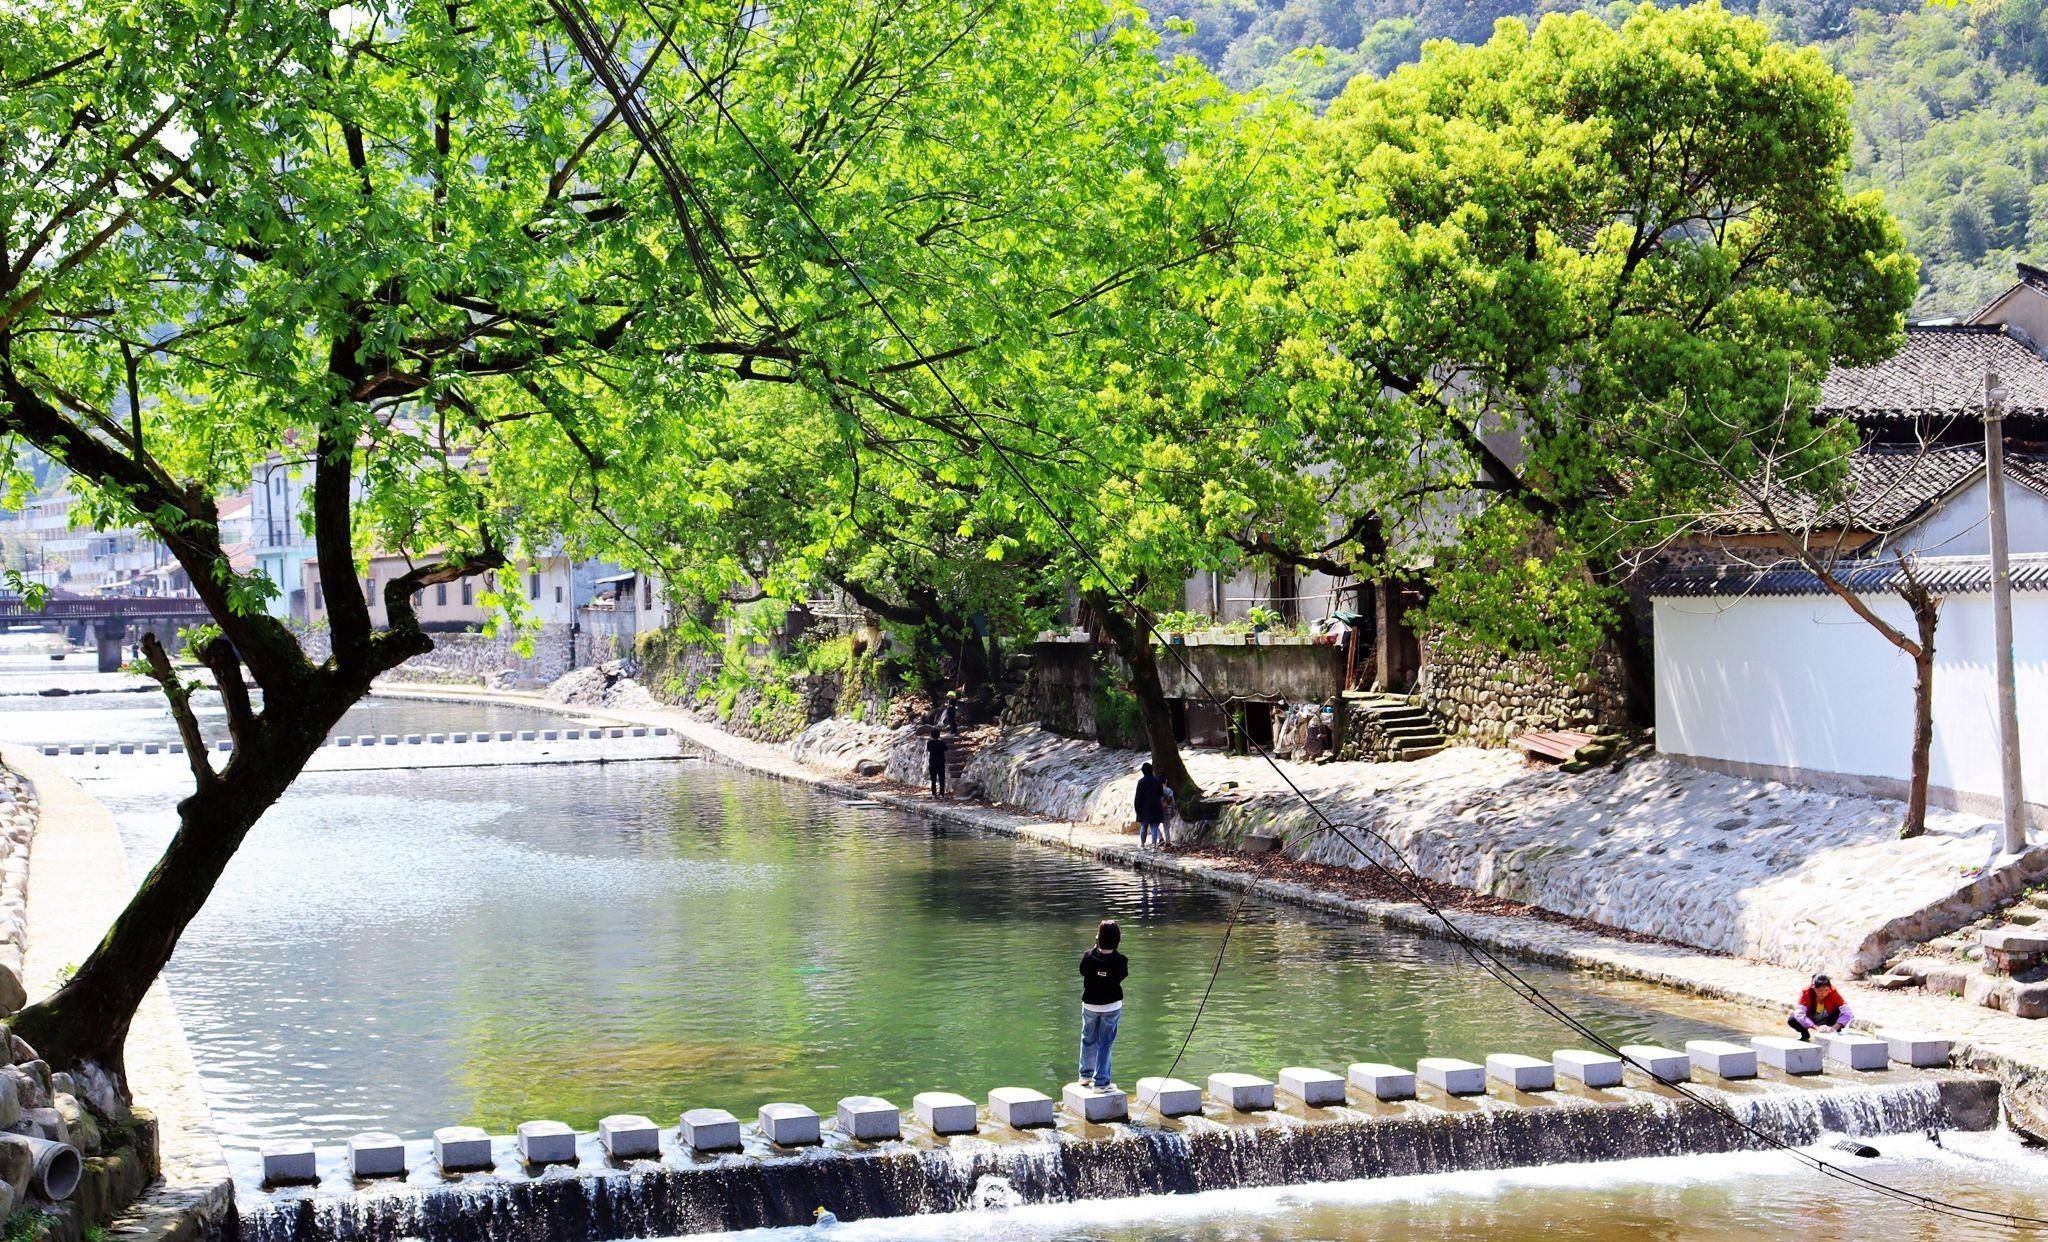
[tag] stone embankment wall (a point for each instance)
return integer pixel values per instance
(1486, 698)
(1775, 872)
(463, 657)
(17, 826)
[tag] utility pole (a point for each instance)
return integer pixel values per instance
(2012, 794)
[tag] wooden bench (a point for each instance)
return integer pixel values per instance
(1562, 745)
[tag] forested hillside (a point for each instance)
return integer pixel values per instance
(1951, 103)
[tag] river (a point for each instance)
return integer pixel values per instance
(407, 949)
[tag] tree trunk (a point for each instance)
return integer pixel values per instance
(87, 1019)
(1924, 616)
(1134, 643)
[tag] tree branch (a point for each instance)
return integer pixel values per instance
(179, 695)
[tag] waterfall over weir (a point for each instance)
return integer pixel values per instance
(683, 1193)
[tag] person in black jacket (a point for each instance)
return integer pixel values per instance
(1151, 804)
(935, 762)
(1103, 971)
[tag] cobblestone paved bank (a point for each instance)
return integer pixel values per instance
(2013, 1049)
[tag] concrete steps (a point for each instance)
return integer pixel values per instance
(1410, 732)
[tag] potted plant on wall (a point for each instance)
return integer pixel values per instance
(1261, 619)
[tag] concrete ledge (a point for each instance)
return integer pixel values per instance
(684, 1193)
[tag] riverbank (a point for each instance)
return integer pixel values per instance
(2012, 1049)
(79, 881)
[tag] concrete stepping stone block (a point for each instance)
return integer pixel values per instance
(1721, 1058)
(222, 745)
(1316, 1087)
(572, 735)
(944, 1112)
(1021, 1107)
(102, 748)
(376, 1154)
(1662, 1064)
(1169, 1097)
(789, 1125)
(412, 739)
(1523, 1073)
(1591, 1069)
(345, 740)
(286, 1164)
(1094, 1104)
(710, 1129)
(454, 738)
(527, 735)
(1452, 1076)
(661, 730)
(463, 1149)
(366, 740)
(391, 739)
(79, 750)
(1788, 1055)
(1919, 1051)
(869, 1118)
(549, 735)
(1245, 1093)
(627, 1135)
(620, 733)
(546, 1142)
(506, 736)
(638, 732)
(52, 750)
(150, 748)
(1858, 1052)
(1382, 1081)
(127, 748)
(175, 748)
(435, 739)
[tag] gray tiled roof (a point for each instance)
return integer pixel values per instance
(1942, 575)
(1888, 488)
(1939, 371)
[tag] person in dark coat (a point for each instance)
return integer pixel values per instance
(1151, 804)
(935, 762)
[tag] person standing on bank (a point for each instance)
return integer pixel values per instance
(1150, 804)
(935, 762)
(1103, 971)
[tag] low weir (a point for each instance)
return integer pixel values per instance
(680, 1190)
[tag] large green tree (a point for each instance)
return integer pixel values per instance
(491, 271)
(1552, 257)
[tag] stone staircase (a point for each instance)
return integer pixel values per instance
(1999, 962)
(1389, 727)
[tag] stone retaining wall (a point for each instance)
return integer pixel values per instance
(17, 826)
(1485, 698)
(462, 656)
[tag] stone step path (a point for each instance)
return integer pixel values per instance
(935, 1118)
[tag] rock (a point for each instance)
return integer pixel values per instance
(2030, 1000)
(45, 1123)
(18, 1048)
(869, 767)
(78, 1123)
(16, 1163)
(1892, 982)
(12, 995)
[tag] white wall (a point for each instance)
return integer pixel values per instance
(1958, 527)
(1803, 683)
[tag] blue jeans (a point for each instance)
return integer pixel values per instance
(1146, 832)
(1098, 1032)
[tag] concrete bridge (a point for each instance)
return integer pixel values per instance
(104, 621)
(947, 1153)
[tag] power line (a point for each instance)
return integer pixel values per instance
(1484, 957)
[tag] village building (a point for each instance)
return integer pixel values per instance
(1762, 671)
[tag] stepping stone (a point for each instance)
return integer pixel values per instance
(344, 740)
(943, 1112)
(150, 748)
(1169, 1097)
(506, 736)
(1383, 1082)
(1315, 1087)
(1592, 1069)
(789, 1125)
(572, 735)
(1021, 1107)
(1245, 1093)
(79, 750)
(222, 745)
(626, 1135)
(546, 1142)
(458, 737)
(527, 735)
(661, 730)
(462, 1149)
(102, 748)
(1094, 1104)
(391, 739)
(1662, 1064)
(435, 739)
(285, 1164)
(1523, 1073)
(175, 748)
(376, 1154)
(710, 1129)
(549, 735)
(869, 1118)
(412, 739)
(127, 748)
(53, 750)
(1858, 1052)
(622, 733)
(1920, 1051)
(639, 732)
(1791, 1056)
(1721, 1058)
(366, 740)
(1452, 1076)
